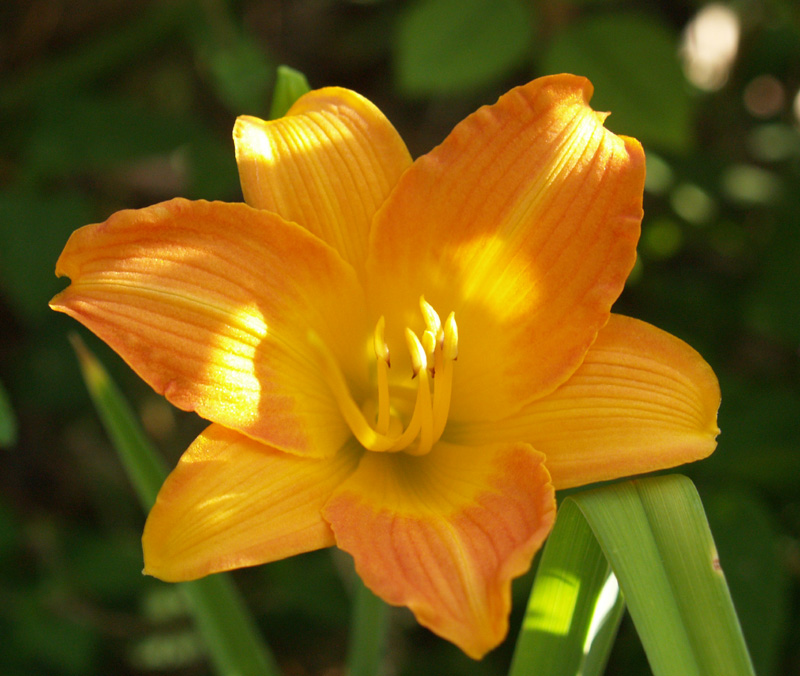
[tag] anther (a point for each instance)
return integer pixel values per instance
(419, 360)
(379, 342)
(450, 343)
(429, 345)
(432, 321)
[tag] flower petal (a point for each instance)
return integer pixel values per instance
(524, 222)
(212, 305)
(642, 400)
(327, 165)
(445, 533)
(234, 502)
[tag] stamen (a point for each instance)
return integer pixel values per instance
(429, 345)
(443, 388)
(382, 365)
(419, 359)
(367, 437)
(422, 419)
(432, 354)
(432, 321)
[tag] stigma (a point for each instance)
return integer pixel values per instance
(377, 424)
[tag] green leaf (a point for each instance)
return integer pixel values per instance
(756, 572)
(290, 85)
(8, 421)
(445, 47)
(228, 630)
(574, 608)
(632, 61)
(367, 632)
(655, 537)
(241, 74)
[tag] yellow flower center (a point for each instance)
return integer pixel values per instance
(376, 424)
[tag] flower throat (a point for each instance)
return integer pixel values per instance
(432, 360)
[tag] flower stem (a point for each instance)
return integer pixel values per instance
(367, 632)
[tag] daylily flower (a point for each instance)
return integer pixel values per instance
(487, 268)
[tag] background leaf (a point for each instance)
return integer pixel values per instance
(631, 60)
(445, 47)
(8, 420)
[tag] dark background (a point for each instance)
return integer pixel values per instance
(108, 104)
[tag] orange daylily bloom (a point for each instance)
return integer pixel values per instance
(488, 267)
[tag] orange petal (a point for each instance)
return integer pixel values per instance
(212, 304)
(642, 400)
(327, 165)
(524, 222)
(445, 533)
(233, 502)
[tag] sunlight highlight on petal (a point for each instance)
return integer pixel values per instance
(524, 222)
(233, 502)
(327, 165)
(211, 304)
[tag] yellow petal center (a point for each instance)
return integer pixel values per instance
(384, 425)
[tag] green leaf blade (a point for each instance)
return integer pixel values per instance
(367, 632)
(290, 85)
(564, 605)
(229, 632)
(656, 538)
(674, 508)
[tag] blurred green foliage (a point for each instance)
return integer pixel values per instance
(107, 105)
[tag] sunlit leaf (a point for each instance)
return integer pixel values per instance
(574, 608)
(290, 85)
(654, 536)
